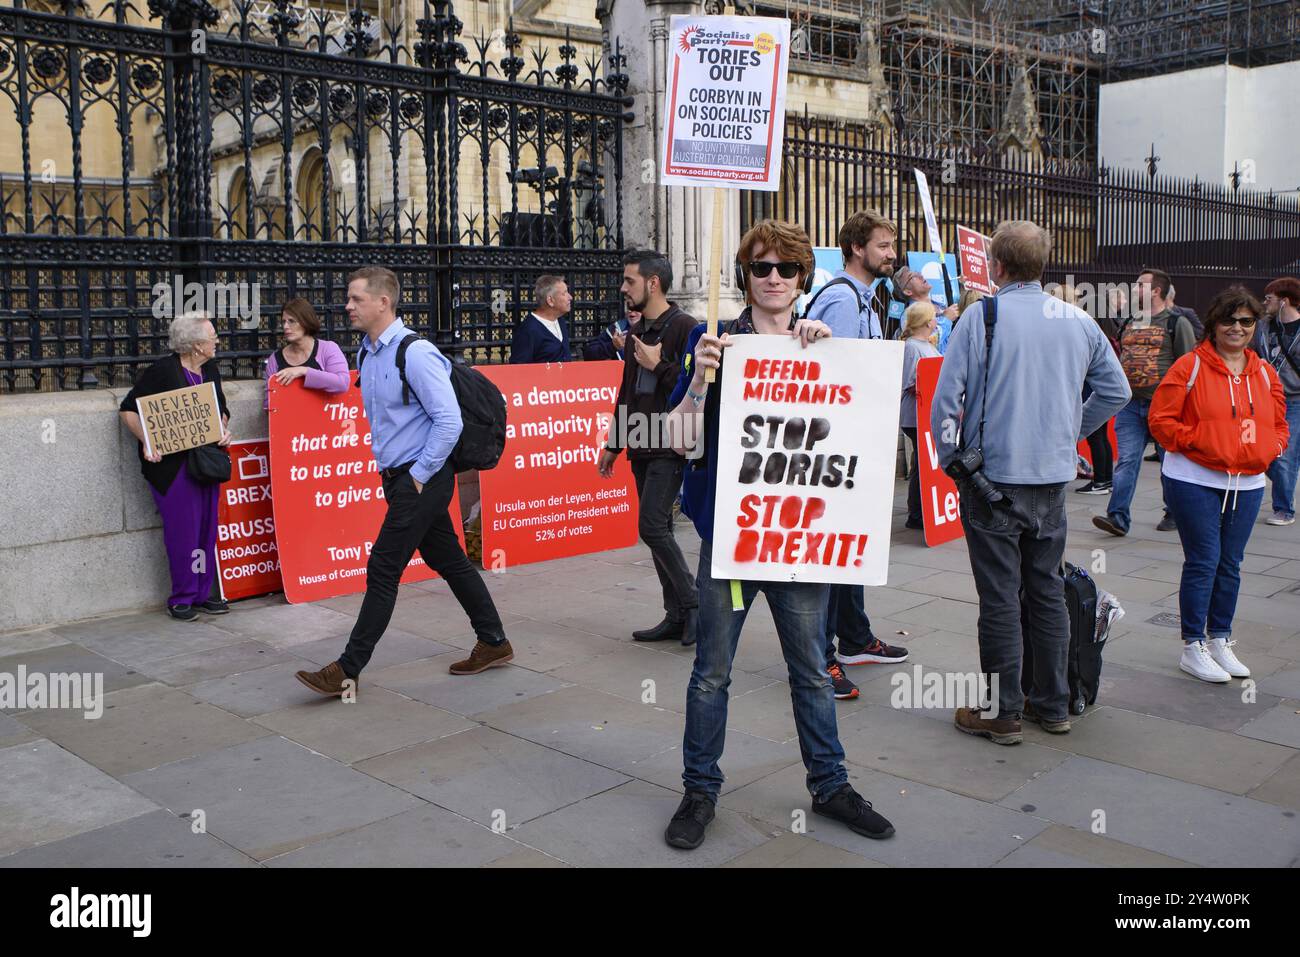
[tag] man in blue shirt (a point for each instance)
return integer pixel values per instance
(845, 304)
(412, 443)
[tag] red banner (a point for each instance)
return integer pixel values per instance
(973, 254)
(939, 498)
(546, 500)
(327, 491)
(248, 561)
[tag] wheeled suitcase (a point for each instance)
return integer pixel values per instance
(1084, 658)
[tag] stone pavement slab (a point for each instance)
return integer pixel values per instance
(193, 667)
(429, 681)
(271, 796)
(487, 775)
(624, 828)
(376, 722)
(1217, 706)
(798, 850)
(157, 839)
(50, 794)
(135, 640)
(1283, 788)
(259, 691)
(1187, 821)
(142, 727)
(13, 731)
(747, 758)
(70, 659)
(1280, 724)
(1066, 847)
(395, 648)
(424, 836)
(934, 827)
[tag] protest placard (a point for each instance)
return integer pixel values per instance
(973, 251)
(724, 103)
(940, 500)
(248, 561)
(327, 492)
(180, 419)
(546, 499)
(807, 444)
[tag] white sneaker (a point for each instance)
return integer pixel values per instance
(1197, 662)
(1221, 651)
(1280, 518)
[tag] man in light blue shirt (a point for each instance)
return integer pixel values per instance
(414, 427)
(867, 241)
(1019, 401)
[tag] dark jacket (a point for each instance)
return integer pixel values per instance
(646, 392)
(163, 376)
(533, 342)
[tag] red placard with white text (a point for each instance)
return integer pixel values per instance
(973, 254)
(546, 499)
(248, 560)
(327, 492)
(939, 497)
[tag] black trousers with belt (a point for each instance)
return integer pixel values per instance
(417, 520)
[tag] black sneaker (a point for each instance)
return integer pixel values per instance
(914, 523)
(849, 808)
(1105, 523)
(1153, 457)
(686, 829)
(844, 688)
(875, 652)
(1094, 488)
(215, 606)
(182, 612)
(1167, 524)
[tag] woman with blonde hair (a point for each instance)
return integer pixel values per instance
(920, 333)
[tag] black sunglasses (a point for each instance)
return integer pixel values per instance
(760, 269)
(1244, 323)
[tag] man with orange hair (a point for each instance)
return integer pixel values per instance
(774, 258)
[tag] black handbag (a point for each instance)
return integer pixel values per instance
(209, 465)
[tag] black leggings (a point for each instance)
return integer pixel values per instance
(1103, 461)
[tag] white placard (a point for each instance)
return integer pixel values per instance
(724, 102)
(927, 206)
(807, 446)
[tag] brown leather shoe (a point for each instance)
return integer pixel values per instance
(1050, 725)
(483, 657)
(999, 730)
(328, 681)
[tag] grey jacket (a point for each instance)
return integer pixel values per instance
(1044, 351)
(1270, 346)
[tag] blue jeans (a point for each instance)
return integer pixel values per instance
(1282, 473)
(846, 616)
(799, 611)
(1132, 436)
(1214, 539)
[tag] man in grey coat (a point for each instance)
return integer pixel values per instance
(1018, 401)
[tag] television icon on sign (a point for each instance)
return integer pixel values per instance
(252, 466)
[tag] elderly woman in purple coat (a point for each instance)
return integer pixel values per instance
(188, 507)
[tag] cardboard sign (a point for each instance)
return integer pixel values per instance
(180, 419)
(806, 460)
(248, 560)
(940, 500)
(327, 492)
(927, 207)
(973, 250)
(546, 499)
(724, 103)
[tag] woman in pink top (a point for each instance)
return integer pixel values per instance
(318, 362)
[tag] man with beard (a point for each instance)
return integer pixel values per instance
(652, 363)
(845, 304)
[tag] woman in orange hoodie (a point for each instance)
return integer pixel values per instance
(1220, 415)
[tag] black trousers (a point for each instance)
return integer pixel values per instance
(1018, 543)
(417, 520)
(1103, 461)
(914, 513)
(657, 483)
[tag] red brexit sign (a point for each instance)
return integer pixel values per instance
(248, 560)
(973, 254)
(546, 500)
(327, 492)
(940, 500)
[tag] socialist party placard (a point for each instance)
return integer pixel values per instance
(724, 102)
(546, 499)
(327, 492)
(248, 560)
(807, 441)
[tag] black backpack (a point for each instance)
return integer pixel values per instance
(482, 410)
(1084, 657)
